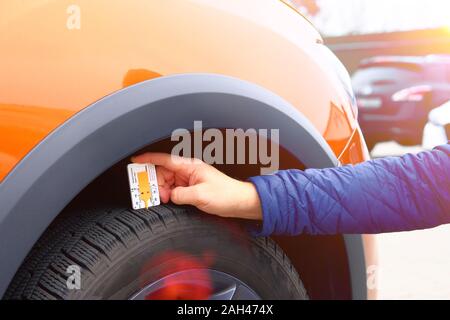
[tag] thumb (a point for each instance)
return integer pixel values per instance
(185, 195)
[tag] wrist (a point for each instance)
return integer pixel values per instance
(250, 204)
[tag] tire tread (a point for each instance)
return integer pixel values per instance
(94, 239)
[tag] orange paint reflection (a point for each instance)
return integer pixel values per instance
(338, 129)
(134, 76)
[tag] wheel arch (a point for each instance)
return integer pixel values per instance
(118, 125)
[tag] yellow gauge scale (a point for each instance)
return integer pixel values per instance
(145, 193)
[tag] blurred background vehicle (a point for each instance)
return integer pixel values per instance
(398, 53)
(396, 93)
(437, 129)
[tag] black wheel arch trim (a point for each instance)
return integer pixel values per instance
(118, 125)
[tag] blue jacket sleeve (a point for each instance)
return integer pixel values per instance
(382, 195)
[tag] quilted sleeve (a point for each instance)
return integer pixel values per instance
(382, 195)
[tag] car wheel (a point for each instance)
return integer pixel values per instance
(165, 252)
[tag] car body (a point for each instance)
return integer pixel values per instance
(437, 129)
(396, 93)
(84, 87)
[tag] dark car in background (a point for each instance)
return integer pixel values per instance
(396, 93)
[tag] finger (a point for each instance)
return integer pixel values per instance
(165, 177)
(185, 195)
(168, 161)
(164, 194)
(166, 180)
(182, 180)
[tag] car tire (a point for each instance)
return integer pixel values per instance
(132, 254)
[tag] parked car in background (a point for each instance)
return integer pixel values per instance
(437, 130)
(396, 93)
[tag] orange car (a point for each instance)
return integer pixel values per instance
(84, 86)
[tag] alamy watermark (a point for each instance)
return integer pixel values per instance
(229, 146)
(73, 21)
(73, 281)
(372, 272)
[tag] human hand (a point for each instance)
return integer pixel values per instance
(193, 182)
